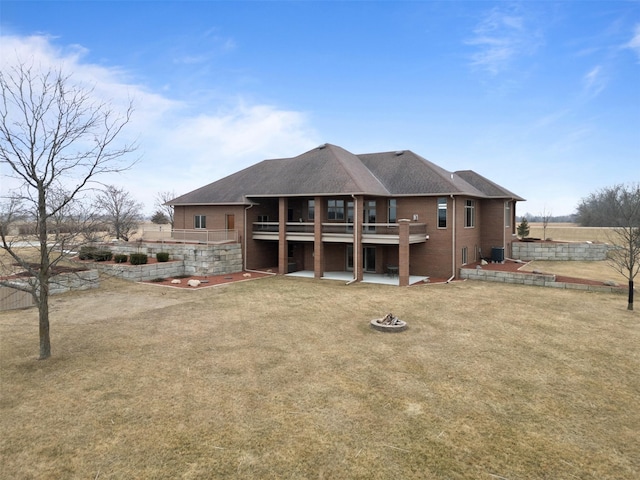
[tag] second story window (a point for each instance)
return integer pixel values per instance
(311, 210)
(442, 212)
(200, 221)
(335, 209)
(393, 211)
(470, 213)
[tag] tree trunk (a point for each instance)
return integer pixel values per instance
(44, 273)
(630, 305)
(43, 311)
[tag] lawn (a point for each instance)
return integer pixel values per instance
(283, 378)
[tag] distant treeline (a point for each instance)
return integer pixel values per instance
(540, 219)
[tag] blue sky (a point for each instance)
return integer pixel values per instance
(540, 97)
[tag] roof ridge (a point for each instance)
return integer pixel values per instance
(357, 179)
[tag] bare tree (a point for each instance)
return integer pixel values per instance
(625, 236)
(161, 204)
(119, 210)
(55, 139)
(546, 217)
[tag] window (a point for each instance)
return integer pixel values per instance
(470, 213)
(335, 209)
(262, 220)
(507, 214)
(200, 221)
(393, 211)
(465, 255)
(311, 210)
(442, 212)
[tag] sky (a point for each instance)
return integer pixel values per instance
(540, 97)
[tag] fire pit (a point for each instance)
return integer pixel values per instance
(389, 323)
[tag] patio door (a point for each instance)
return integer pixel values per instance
(368, 259)
(349, 265)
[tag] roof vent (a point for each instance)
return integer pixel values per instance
(399, 152)
(324, 145)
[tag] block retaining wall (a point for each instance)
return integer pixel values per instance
(84, 280)
(537, 279)
(184, 259)
(559, 251)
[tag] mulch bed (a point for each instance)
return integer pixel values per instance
(209, 280)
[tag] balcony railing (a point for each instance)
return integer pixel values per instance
(307, 228)
(199, 235)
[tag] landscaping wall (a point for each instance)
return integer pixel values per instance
(11, 298)
(537, 279)
(185, 259)
(141, 273)
(563, 251)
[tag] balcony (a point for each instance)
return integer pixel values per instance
(201, 235)
(372, 233)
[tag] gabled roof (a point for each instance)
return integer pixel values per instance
(332, 170)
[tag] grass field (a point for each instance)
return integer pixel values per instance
(570, 232)
(283, 378)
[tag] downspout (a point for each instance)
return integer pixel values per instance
(355, 240)
(453, 241)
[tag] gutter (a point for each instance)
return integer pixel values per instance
(453, 241)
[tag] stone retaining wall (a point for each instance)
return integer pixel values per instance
(61, 283)
(185, 259)
(537, 279)
(141, 273)
(559, 251)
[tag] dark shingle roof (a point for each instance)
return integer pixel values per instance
(332, 170)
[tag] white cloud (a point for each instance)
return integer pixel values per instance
(634, 43)
(180, 148)
(500, 38)
(594, 82)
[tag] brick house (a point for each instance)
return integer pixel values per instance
(328, 210)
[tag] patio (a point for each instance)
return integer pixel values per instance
(367, 278)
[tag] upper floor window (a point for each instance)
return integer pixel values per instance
(470, 213)
(442, 212)
(507, 214)
(311, 210)
(200, 221)
(393, 211)
(335, 209)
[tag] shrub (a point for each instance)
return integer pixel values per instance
(162, 256)
(120, 258)
(87, 253)
(138, 258)
(102, 255)
(158, 279)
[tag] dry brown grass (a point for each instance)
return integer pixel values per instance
(600, 271)
(570, 232)
(283, 378)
